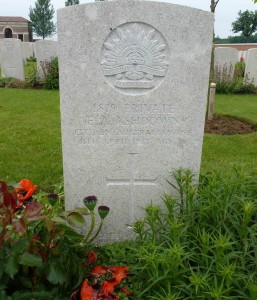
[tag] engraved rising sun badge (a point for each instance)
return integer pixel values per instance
(135, 58)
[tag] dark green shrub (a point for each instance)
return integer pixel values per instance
(33, 78)
(32, 59)
(240, 69)
(231, 80)
(51, 74)
(247, 88)
(10, 82)
(3, 81)
(202, 244)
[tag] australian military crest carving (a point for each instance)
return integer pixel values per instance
(135, 58)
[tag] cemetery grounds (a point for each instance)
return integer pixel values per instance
(207, 250)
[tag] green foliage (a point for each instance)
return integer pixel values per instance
(33, 78)
(41, 253)
(202, 243)
(71, 2)
(3, 82)
(231, 80)
(245, 23)
(31, 59)
(41, 17)
(240, 68)
(236, 39)
(51, 74)
(10, 82)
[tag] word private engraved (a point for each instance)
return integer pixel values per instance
(135, 58)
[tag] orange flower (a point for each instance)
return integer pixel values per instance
(103, 286)
(87, 292)
(119, 273)
(108, 287)
(26, 190)
(98, 270)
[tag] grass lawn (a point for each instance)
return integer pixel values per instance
(30, 137)
(29, 68)
(225, 152)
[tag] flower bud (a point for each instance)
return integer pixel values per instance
(90, 202)
(52, 198)
(103, 211)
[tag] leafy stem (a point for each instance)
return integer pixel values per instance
(91, 227)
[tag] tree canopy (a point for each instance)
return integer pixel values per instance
(71, 2)
(246, 23)
(41, 17)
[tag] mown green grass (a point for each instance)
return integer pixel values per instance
(29, 68)
(30, 137)
(225, 152)
(241, 106)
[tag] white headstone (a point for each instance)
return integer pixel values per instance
(251, 67)
(242, 55)
(44, 51)
(134, 83)
(11, 59)
(27, 51)
(225, 59)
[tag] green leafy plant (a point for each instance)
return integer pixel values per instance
(231, 80)
(33, 78)
(10, 82)
(42, 256)
(51, 74)
(202, 244)
(32, 59)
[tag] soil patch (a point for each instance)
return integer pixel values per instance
(228, 126)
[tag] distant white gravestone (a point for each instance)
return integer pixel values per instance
(44, 51)
(27, 51)
(225, 59)
(11, 59)
(133, 82)
(251, 67)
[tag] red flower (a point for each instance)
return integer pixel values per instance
(98, 270)
(9, 198)
(26, 190)
(91, 258)
(105, 281)
(119, 273)
(87, 292)
(108, 287)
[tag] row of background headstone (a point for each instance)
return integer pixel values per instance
(13, 51)
(14, 55)
(225, 57)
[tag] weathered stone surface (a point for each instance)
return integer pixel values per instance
(225, 59)
(134, 82)
(44, 51)
(251, 67)
(27, 51)
(11, 59)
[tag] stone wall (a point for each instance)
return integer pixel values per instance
(240, 47)
(17, 28)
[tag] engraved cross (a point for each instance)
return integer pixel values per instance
(132, 182)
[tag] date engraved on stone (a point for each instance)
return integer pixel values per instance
(135, 58)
